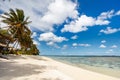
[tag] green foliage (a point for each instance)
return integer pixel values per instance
(17, 28)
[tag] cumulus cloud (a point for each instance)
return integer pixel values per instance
(102, 46)
(102, 18)
(82, 45)
(114, 46)
(74, 44)
(118, 12)
(74, 37)
(46, 13)
(65, 46)
(79, 24)
(36, 42)
(67, 9)
(83, 22)
(112, 49)
(55, 16)
(52, 44)
(109, 30)
(50, 37)
(34, 9)
(103, 41)
(106, 15)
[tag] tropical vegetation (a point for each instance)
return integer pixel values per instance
(17, 33)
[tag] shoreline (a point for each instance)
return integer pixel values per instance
(44, 68)
(101, 70)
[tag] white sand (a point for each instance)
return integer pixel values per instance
(43, 68)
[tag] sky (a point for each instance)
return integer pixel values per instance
(72, 27)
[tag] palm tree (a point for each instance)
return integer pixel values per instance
(17, 23)
(34, 50)
(4, 40)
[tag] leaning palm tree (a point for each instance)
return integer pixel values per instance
(17, 27)
(17, 24)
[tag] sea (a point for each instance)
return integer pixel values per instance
(103, 64)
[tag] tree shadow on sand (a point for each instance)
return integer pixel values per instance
(51, 79)
(5, 56)
(10, 70)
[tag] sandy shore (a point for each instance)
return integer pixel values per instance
(43, 68)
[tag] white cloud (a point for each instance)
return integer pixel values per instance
(114, 46)
(51, 39)
(109, 51)
(102, 46)
(109, 30)
(83, 22)
(106, 15)
(46, 13)
(79, 24)
(55, 16)
(85, 45)
(52, 44)
(36, 42)
(82, 45)
(34, 9)
(65, 46)
(49, 36)
(34, 35)
(74, 37)
(74, 44)
(102, 22)
(102, 18)
(118, 12)
(103, 41)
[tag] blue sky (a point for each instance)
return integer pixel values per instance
(72, 27)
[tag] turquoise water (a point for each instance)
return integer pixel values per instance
(106, 62)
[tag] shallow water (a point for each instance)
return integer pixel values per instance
(104, 65)
(106, 62)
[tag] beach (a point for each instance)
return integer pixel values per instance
(22, 67)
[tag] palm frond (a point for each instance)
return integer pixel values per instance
(12, 12)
